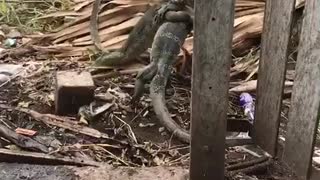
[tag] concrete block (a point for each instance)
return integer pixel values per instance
(72, 90)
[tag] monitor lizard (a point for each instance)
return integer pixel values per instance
(165, 48)
(149, 71)
(142, 35)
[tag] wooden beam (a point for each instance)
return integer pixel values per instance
(213, 30)
(305, 103)
(238, 125)
(275, 41)
(315, 174)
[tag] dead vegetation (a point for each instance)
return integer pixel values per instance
(120, 134)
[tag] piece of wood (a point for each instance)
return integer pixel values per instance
(255, 169)
(21, 140)
(305, 103)
(275, 41)
(238, 141)
(62, 122)
(73, 90)
(315, 174)
(213, 30)
(238, 125)
(41, 158)
(246, 164)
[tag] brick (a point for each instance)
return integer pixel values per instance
(72, 90)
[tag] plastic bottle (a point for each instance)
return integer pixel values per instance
(247, 103)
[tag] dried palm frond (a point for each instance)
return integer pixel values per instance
(118, 17)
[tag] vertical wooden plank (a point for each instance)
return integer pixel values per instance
(305, 103)
(213, 27)
(271, 76)
(315, 174)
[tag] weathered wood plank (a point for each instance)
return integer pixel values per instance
(315, 174)
(275, 41)
(305, 104)
(241, 125)
(213, 28)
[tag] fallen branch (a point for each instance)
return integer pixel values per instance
(21, 141)
(250, 86)
(61, 122)
(246, 164)
(250, 167)
(40, 158)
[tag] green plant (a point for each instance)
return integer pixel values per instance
(25, 15)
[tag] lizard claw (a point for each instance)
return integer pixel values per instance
(156, 19)
(160, 16)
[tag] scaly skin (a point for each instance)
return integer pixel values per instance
(139, 40)
(165, 49)
(148, 73)
(94, 25)
(141, 37)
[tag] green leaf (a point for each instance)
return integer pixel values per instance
(3, 8)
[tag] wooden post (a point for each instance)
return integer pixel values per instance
(305, 103)
(275, 41)
(213, 31)
(315, 174)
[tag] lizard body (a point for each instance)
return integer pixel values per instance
(142, 35)
(94, 25)
(160, 47)
(165, 49)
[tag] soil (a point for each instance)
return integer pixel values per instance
(14, 171)
(34, 93)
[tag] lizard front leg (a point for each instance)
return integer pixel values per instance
(174, 5)
(157, 94)
(170, 6)
(142, 78)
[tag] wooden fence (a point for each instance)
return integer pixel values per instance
(213, 30)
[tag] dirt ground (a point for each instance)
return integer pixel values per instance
(155, 147)
(107, 172)
(13, 171)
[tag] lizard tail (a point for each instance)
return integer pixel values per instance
(94, 25)
(157, 94)
(165, 119)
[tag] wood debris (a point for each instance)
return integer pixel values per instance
(26, 132)
(40, 158)
(249, 167)
(21, 140)
(62, 122)
(117, 18)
